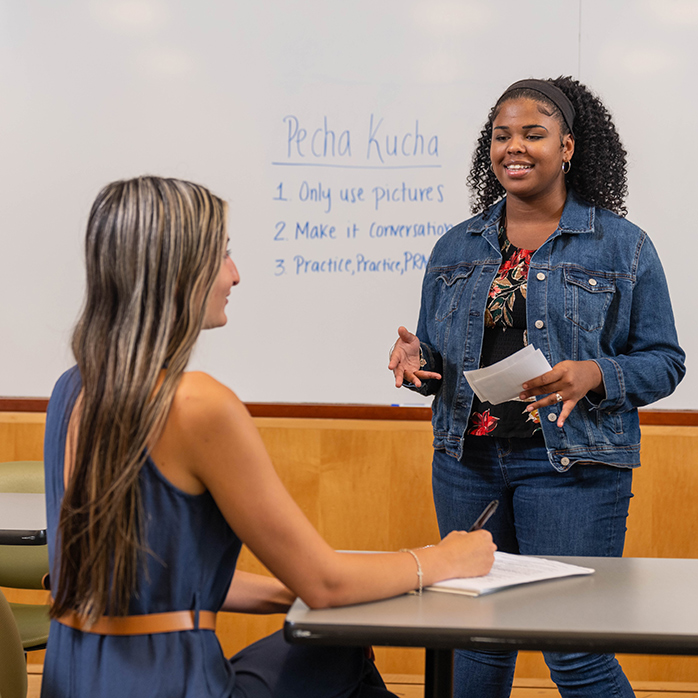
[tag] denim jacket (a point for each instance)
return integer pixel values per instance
(596, 290)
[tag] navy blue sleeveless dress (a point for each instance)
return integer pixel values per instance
(192, 565)
(195, 552)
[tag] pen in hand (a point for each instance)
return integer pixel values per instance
(485, 516)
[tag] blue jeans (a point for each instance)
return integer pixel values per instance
(541, 512)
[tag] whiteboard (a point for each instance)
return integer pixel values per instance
(341, 136)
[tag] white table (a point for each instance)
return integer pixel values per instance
(22, 519)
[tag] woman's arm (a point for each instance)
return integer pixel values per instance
(414, 360)
(648, 366)
(257, 593)
(213, 435)
(652, 363)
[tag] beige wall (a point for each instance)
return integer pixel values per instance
(366, 485)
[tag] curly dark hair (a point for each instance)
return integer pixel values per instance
(598, 166)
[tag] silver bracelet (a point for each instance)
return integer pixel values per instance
(419, 567)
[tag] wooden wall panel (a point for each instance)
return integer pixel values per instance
(663, 518)
(21, 436)
(367, 485)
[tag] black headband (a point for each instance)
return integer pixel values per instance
(552, 92)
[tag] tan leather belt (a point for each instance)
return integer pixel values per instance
(147, 624)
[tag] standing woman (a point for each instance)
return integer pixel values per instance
(548, 260)
(155, 476)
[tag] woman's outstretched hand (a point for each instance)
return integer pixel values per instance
(568, 382)
(404, 360)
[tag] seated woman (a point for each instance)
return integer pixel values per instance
(155, 476)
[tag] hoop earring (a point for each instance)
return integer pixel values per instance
(569, 166)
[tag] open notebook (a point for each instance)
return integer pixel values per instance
(510, 570)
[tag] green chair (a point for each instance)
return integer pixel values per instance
(24, 566)
(13, 669)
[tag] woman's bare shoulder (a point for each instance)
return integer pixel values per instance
(202, 402)
(200, 384)
(206, 420)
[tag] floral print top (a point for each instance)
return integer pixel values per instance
(505, 333)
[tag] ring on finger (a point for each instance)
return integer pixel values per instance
(558, 397)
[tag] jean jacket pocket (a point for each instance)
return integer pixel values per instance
(588, 295)
(450, 285)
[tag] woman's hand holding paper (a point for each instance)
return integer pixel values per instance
(568, 382)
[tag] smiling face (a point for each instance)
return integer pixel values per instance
(218, 298)
(528, 150)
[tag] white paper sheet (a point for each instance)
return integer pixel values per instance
(504, 380)
(511, 570)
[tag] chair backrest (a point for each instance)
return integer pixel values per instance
(13, 668)
(22, 566)
(22, 476)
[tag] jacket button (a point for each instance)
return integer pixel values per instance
(552, 417)
(565, 461)
(540, 276)
(592, 282)
(539, 324)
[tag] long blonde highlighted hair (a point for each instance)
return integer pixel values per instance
(153, 249)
